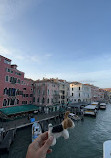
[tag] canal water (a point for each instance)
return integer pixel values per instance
(86, 139)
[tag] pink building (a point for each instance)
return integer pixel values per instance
(14, 88)
(46, 92)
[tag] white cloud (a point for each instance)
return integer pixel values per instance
(4, 51)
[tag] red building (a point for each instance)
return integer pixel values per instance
(14, 88)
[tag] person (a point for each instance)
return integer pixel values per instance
(40, 146)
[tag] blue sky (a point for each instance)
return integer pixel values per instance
(68, 39)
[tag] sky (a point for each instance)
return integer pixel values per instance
(65, 39)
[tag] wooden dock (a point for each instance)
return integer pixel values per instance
(60, 116)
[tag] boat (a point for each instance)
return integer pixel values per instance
(95, 103)
(90, 110)
(36, 130)
(107, 149)
(74, 117)
(102, 106)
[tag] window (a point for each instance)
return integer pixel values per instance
(72, 89)
(24, 88)
(31, 95)
(72, 94)
(7, 61)
(18, 80)
(6, 78)
(43, 100)
(4, 102)
(79, 88)
(38, 100)
(5, 91)
(48, 100)
(79, 94)
(48, 91)
(12, 101)
(17, 101)
(33, 99)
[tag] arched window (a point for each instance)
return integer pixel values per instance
(43, 100)
(4, 102)
(5, 91)
(38, 100)
(48, 100)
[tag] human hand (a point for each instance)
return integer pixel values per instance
(40, 147)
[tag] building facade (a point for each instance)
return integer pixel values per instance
(14, 88)
(80, 92)
(64, 91)
(46, 92)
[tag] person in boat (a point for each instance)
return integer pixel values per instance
(40, 146)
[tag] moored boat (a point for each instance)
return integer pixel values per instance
(107, 149)
(96, 104)
(102, 106)
(74, 117)
(90, 110)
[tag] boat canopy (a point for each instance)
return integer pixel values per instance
(102, 103)
(92, 107)
(94, 103)
(71, 114)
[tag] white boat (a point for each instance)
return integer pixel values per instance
(74, 117)
(107, 149)
(102, 106)
(95, 103)
(36, 130)
(90, 110)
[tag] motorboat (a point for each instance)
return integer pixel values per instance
(95, 103)
(36, 130)
(107, 149)
(74, 117)
(90, 110)
(102, 106)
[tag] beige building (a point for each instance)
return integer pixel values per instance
(64, 92)
(80, 92)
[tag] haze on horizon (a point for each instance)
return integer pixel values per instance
(68, 39)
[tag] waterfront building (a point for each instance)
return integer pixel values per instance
(94, 93)
(80, 92)
(101, 95)
(46, 92)
(14, 88)
(108, 95)
(64, 91)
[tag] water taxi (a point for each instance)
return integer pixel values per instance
(95, 103)
(90, 110)
(107, 149)
(74, 117)
(102, 106)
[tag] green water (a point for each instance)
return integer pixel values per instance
(86, 139)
